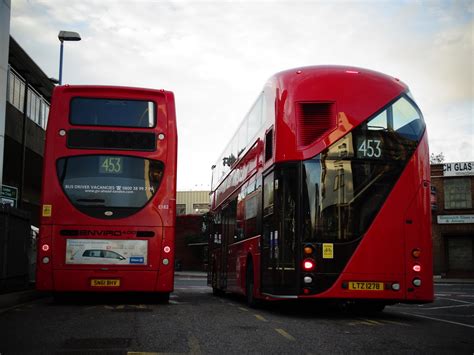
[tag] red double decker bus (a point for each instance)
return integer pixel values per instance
(324, 193)
(109, 191)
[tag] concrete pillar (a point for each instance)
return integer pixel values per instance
(5, 8)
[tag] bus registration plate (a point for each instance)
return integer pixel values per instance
(365, 286)
(105, 283)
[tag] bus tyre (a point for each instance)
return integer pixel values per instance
(249, 283)
(164, 298)
(368, 308)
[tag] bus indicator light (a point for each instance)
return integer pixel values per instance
(416, 253)
(165, 261)
(308, 249)
(45, 260)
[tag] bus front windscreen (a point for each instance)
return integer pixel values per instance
(109, 186)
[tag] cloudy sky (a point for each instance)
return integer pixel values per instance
(216, 56)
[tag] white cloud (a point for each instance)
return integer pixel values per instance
(216, 56)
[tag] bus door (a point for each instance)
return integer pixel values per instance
(228, 231)
(279, 275)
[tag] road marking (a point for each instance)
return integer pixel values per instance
(285, 334)
(259, 317)
(364, 322)
(194, 347)
(447, 307)
(438, 319)
(454, 300)
(374, 322)
(243, 309)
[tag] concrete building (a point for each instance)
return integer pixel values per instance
(192, 202)
(452, 207)
(28, 97)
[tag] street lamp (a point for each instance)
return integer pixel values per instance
(65, 36)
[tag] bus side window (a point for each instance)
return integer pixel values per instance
(269, 145)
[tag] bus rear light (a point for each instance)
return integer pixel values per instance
(45, 260)
(417, 267)
(62, 132)
(308, 279)
(416, 282)
(45, 247)
(166, 261)
(396, 286)
(306, 291)
(416, 253)
(167, 249)
(352, 72)
(309, 264)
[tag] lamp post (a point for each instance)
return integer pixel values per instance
(65, 36)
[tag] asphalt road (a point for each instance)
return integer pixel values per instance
(195, 322)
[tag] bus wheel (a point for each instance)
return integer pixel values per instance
(249, 286)
(215, 290)
(163, 298)
(368, 308)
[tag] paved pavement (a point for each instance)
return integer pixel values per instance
(12, 299)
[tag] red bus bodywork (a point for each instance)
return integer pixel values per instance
(336, 174)
(69, 236)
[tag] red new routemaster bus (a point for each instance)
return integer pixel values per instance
(109, 191)
(324, 192)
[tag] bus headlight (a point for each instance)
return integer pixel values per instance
(46, 260)
(416, 282)
(166, 261)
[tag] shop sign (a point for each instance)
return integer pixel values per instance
(456, 219)
(9, 195)
(459, 169)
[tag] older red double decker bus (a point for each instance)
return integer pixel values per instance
(109, 191)
(324, 193)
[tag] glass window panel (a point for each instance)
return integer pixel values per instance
(406, 119)
(379, 122)
(112, 112)
(242, 138)
(96, 184)
(254, 119)
(457, 193)
(180, 209)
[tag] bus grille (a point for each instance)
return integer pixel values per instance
(314, 119)
(85, 139)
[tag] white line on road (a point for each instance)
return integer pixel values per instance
(285, 334)
(454, 300)
(438, 319)
(447, 307)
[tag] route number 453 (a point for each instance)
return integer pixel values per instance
(370, 148)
